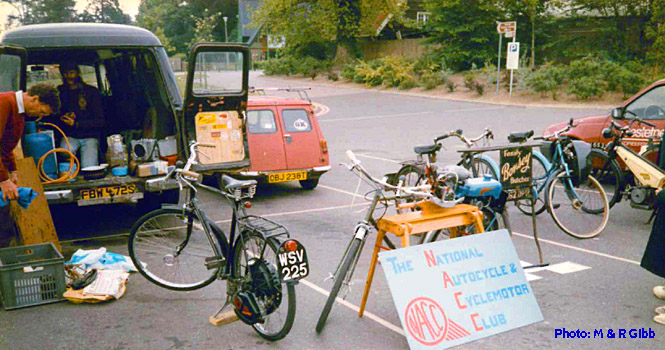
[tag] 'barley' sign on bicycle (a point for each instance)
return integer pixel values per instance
(516, 172)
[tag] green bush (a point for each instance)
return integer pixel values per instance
(408, 82)
(629, 81)
(394, 70)
(367, 73)
(585, 67)
(610, 72)
(450, 86)
(348, 72)
(430, 80)
(546, 79)
(470, 79)
(584, 87)
(333, 76)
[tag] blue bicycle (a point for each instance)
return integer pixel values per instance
(575, 200)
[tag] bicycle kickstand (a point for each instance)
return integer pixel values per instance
(221, 318)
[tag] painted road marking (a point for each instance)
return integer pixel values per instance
(377, 158)
(563, 268)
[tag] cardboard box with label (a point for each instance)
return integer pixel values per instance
(224, 130)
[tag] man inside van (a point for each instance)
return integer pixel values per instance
(41, 100)
(82, 119)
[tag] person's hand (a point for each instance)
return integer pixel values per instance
(13, 176)
(9, 190)
(69, 118)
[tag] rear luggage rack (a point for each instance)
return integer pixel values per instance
(265, 227)
(302, 91)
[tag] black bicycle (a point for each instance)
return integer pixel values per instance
(179, 247)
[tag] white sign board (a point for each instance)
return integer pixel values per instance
(513, 59)
(506, 27)
(452, 292)
(276, 41)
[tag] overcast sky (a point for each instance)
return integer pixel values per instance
(130, 7)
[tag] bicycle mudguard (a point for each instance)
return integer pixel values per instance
(581, 165)
(491, 162)
(543, 160)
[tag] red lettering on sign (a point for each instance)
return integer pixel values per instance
(446, 280)
(460, 306)
(425, 321)
(473, 319)
(429, 258)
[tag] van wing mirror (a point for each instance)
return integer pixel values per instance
(618, 113)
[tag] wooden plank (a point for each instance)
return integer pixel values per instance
(35, 224)
(18, 151)
(220, 320)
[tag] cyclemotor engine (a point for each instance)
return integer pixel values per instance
(642, 197)
(263, 292)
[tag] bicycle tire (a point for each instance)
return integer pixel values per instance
(558, 211)
(611, 179)
(480, 167)
(159, 263)
(413, 175)
(538, 176)
(338, 280)
(266, 300)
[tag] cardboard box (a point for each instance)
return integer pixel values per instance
(224, 130)
(158, 167)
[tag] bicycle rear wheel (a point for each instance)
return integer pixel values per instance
(339, 278)
(581, 212)
(256, 263)
(169, 248)
(608, 172)
(480, 167)
(413, 175)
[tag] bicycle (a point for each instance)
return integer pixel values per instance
(178, 247)
(415, 171)
(582, 198)
(347, 265)
(634, 184)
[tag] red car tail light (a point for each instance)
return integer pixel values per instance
(324, 146)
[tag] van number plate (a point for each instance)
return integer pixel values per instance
(106, 192)
(292, 261)
(290, 176)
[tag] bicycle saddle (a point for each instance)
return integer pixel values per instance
(426, 149)
(520, 137)
(462, 173)
(232, 184)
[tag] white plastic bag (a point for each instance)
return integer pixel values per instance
(102, 260)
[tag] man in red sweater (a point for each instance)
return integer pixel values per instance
(41, 100)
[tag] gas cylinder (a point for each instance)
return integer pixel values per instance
(36, 144)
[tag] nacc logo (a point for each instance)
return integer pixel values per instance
(427, 323)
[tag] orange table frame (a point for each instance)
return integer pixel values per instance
(430, 218)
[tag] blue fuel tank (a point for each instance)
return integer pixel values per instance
(480, 187)
(36, 144)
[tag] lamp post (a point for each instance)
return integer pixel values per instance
(226, 33)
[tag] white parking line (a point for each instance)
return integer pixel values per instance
(414, 113)
(341, 191)
(355, 308)
(377, 158)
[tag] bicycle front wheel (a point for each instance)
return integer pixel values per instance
(608, 172)
(169, 248)
(538, 177)
(256, 263)
(339, 278)
(581, 212)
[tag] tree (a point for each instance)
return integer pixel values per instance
(656, 32)
(104, 11)
(54, 11)
(309, 23)
(24, 10)
(527, 13)
(463, 32)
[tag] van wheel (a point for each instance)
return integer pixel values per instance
(309, 184)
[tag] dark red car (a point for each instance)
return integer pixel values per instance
(648, 104)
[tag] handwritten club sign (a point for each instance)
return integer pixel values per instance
(516, 172)
(455, 291)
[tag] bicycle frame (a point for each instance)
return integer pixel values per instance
(558, 162)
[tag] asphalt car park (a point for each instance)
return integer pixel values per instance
(591, 284)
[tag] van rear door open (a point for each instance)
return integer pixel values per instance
(215, 104)
(12, 68)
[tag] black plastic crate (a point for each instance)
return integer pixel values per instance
(31, 275)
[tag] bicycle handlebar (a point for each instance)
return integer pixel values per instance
(469, 142)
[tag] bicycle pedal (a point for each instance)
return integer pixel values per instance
(556, 206)
(214, 262)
